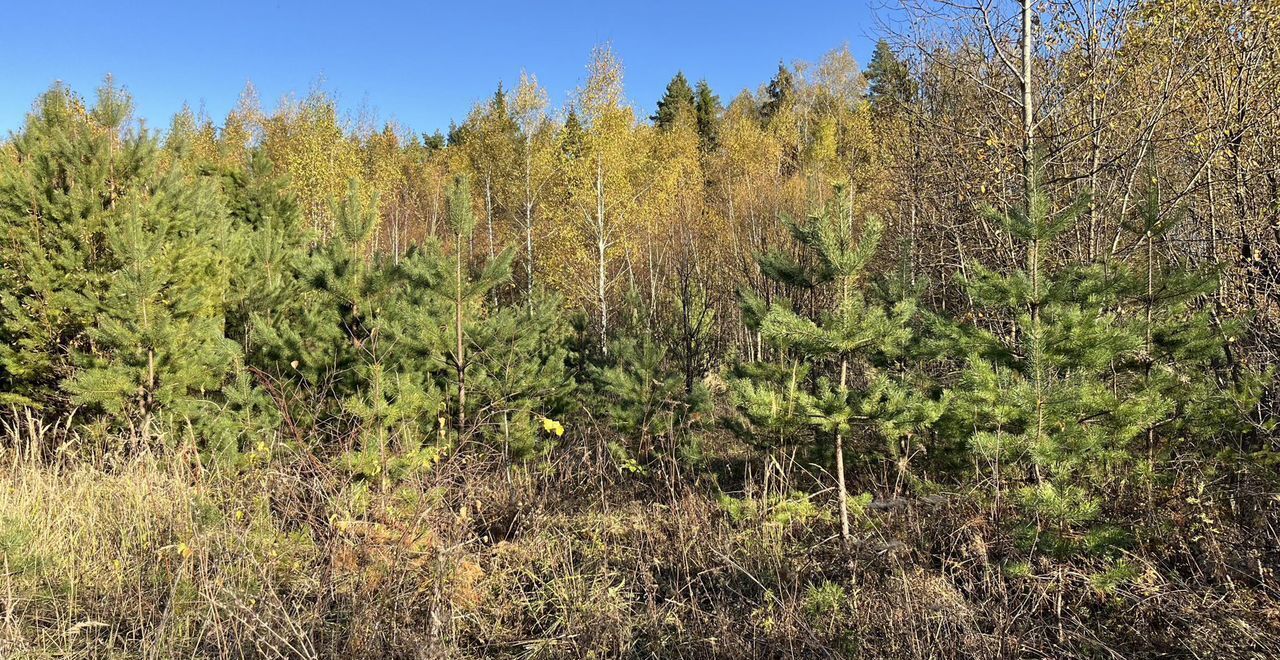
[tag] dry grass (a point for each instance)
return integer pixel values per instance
(154, 556)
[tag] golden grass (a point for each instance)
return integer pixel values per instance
(140, 552)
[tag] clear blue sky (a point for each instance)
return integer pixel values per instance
(420, 63)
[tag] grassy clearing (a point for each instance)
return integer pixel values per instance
(155, 557)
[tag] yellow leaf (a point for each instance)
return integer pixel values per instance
(552, 426)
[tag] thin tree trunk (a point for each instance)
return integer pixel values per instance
(1028, 155)
(488, 212)
(602, 247)
(1095, 162)
(459, 359)
(843, 494)
(1028, 137)
(528, 252)
(528, 225)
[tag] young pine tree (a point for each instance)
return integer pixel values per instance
(639, 390)
(339, 351)
(270, 244)
(1080, 381)
(514, 357)
(116, 269)
(519, 371)
(468, 291)
(645, 399)
(851, 343)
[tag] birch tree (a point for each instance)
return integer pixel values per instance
(613, 168)
(536, 154)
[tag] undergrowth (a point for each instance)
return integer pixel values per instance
(150, 554)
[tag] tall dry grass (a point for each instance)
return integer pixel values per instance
(134, 549)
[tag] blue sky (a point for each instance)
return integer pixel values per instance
(420, 63)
